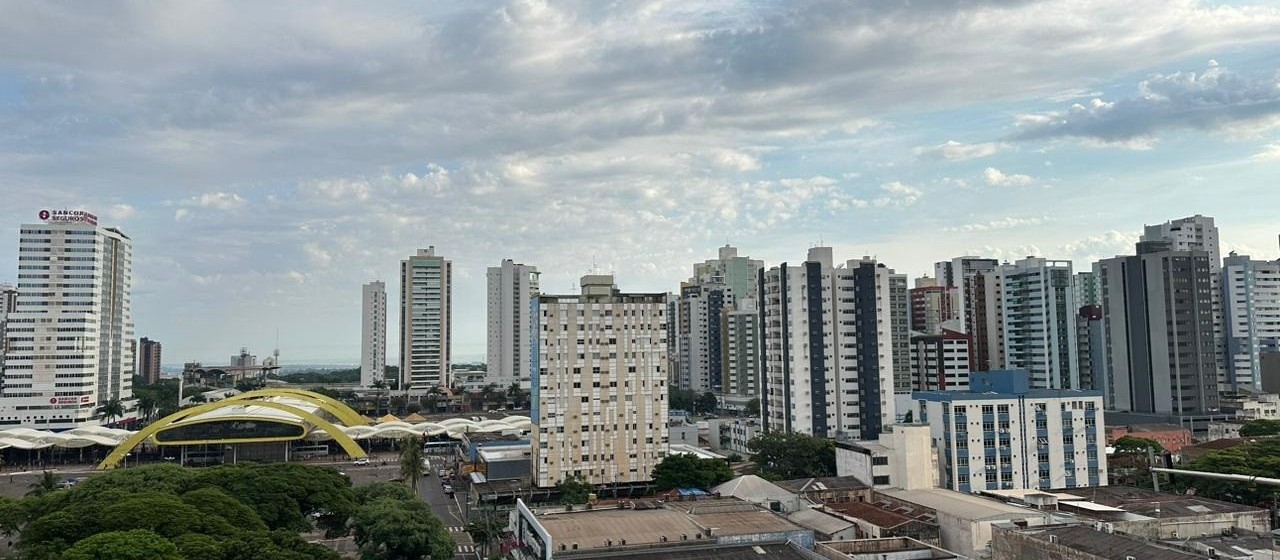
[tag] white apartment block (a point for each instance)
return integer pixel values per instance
(1038, 316)
(740, 355)
(373, 333)
(599, 396)
(716, 288)
(836, 346)
(1004, 435)
(70, 334)
(512, 286)
(1251, 306)
(978, 286)
(426, 299)
(941, 362)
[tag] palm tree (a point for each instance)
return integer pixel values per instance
(411, 468)
(516, 394)
(46, 483)
(111, 410)
(486, 394)
(433, 397)
(147, 406)
(381, 385)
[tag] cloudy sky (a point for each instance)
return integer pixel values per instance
(269, 158)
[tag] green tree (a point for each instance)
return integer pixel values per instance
(687, 471)
(753, 407)
(381, 386)
(147, 406)
(47, 482)
(124, 545)
(574, 490)
(680, 399)
(789, 456)
(485, 531)
(708, 403)
(398, 529)
(518, 396)
(1133, 444)
(111, 410)
(395, 405)
(192, 545)
(1254, 428)
(1259, 458)
(411, 467)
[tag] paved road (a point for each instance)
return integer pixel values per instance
(449, 509)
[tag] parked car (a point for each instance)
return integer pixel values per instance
(448, 489)
(441, 473)
(362, 461)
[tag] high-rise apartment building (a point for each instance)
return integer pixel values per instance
(1251, 310)
(942, 361)
(716, 287)
(740, 354)
(836, 346)
(1158, 335)
(977, 285)
(426, 299)
(599, 396)
(932, 304)
(8, 301)
(1038, 316)
(512, 286)
(373, 333)
(1002, 434)
(70, 333)
(149, 360)
(1199, 233)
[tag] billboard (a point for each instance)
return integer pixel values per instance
(68, 217)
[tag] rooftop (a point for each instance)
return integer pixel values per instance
(801, 485)
(879, 548)
(678, 522)
(1104, 545)
(780, 551)
(1154, 504)
(824, 523)
(882, 514)
(964, 506)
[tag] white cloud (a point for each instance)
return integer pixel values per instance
(219, 201)
(1009, 222)
(1270, 152)
(956, 151)
(120, 212)
(997, 178)
(1214, 100)
(181, 214)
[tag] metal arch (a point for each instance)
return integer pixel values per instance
(113, 459)
(335, 407)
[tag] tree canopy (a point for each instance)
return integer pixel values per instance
(687, 471)
(788, 456)
(1254, 428)
(1134, 444)
(235, 512)
(574, 490)
(1259, 458)
(393, 524)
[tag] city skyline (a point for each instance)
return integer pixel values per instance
(262, 186)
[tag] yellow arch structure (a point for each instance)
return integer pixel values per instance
(113, 459)
(337, 408)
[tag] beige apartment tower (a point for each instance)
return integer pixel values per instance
(600, 385)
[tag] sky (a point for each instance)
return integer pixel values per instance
(268, 158)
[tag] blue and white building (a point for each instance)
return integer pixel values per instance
(1003, 435)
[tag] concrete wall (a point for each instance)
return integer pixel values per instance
(1187, 527)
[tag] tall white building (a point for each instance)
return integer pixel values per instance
(836, 346)
(740, 354)
(8, 302)
(426, 299)
(70, 334)
(373, 333)
(512, 286)
(1003, 435)
(1038, 317)
(599, 397)
(716, 288)
(1251, 306)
